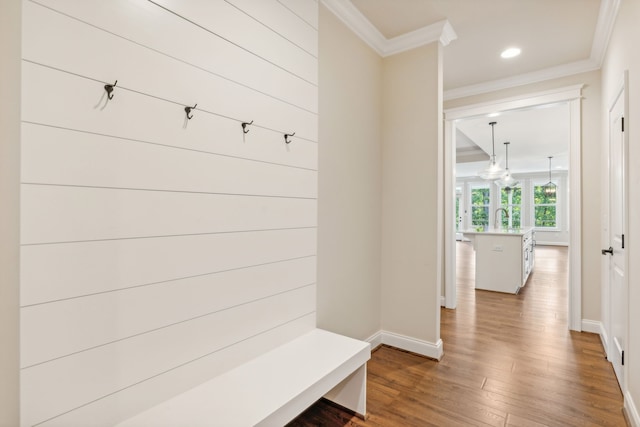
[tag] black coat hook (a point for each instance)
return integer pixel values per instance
(286, 137)
(188, 111)
(109, 89)
(244, 126)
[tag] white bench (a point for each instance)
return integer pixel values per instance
(272, 389)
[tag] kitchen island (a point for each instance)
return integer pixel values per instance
(504, 258)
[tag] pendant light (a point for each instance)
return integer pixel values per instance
(549, 188)
(507, 180)
(493, 171)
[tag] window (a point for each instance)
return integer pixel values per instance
(544, 208)
(480, 199)
(512, 202)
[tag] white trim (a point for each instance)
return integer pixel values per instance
(572, 95)
(604, 28)
(451, 292)
(632, 409)
(604, 337)
(592, 326)
(564, 70)
(443, 301)
(356, 22)
(541, 243)
(597, 327)
(565, 93)
(441, 31)
(403, 342)
(575, 216)
(425, 348)
(375, 340)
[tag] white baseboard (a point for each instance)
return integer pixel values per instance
(375, 340)
(593, 326)
(596, 327)
(542, 243)
(425, 348)
(443, 301)
(632, 410)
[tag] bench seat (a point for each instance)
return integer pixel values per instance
(273, 388)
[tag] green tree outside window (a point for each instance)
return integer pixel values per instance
(545, 209)
(512, 202)
(480, 199)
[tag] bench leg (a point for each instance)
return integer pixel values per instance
(351, 393)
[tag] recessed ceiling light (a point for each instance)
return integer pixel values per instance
(493, 114)
(511, 52)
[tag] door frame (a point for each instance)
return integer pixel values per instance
(572, 96)
(621, 91)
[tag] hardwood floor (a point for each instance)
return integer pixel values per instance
(509, 360)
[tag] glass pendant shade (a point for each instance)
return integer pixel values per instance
(493, 171)
(549, 188)
(506, 179)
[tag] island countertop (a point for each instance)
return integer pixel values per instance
(504, 257)
(499, 231)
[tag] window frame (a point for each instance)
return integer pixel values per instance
(540, 183)
(509, 206)
(487, 205)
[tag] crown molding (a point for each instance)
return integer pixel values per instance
(569, 69)
(441, 31)
(604, 28)
(356, 22)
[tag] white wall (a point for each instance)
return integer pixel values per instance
(411, 198)
(159, 251)
(350, 173)
(378, 258)
(10, 23)
(622, 55)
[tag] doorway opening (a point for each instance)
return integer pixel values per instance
(569, 96)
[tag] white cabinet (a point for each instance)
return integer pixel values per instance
(504, 258)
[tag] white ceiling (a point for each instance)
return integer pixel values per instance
(551, 33)
(557, 38)
(534, 135)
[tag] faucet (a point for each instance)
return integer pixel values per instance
(506, 213)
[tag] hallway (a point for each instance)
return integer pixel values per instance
(509, 361)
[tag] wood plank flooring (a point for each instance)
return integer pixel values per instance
(509, 360)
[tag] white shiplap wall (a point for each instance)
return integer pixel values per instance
(158, 252)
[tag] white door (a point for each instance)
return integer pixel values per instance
(616, 252)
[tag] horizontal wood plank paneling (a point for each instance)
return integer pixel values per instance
(136, 116)
(66, 327)
(96, 373)
(63, 43)
(282, 20)
(54, 156)
(157, 251)
(307, 10)
(113, 408)
(176, 38)
(222, 19)
(54, 272)
(68, 214)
